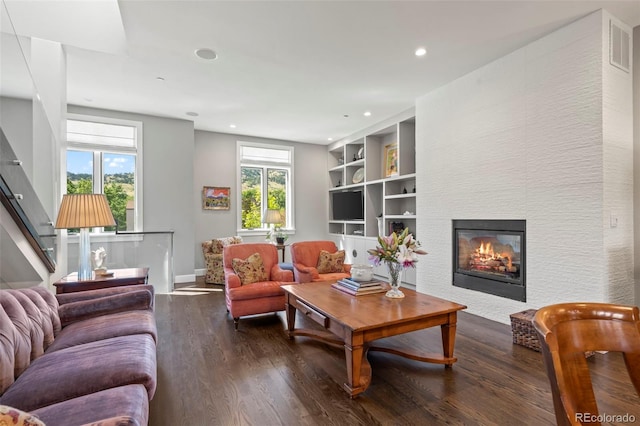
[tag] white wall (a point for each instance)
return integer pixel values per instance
(168, 154)
(524, 138)
(215, 164)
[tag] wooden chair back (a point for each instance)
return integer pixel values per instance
(569, 330)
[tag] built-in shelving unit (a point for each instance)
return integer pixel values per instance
(388, 188)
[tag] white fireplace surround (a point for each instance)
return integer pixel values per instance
(544, 134)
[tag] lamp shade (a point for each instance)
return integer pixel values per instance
(84, 211)
(272, 216)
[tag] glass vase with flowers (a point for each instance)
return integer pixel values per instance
(398, 252)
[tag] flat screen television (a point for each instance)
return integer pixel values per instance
(347, 205)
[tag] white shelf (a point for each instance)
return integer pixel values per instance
(383, 196)
(407, 195)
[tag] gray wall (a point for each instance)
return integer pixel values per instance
(16, 119)
(168, 154)
(215, 164)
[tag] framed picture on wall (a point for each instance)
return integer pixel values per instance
(216, 197)
(391, 160)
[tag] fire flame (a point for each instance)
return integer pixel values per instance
(486, 253)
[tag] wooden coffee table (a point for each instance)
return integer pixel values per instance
(354, 322)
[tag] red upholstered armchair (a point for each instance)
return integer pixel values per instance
(253, 280)
(305, 256)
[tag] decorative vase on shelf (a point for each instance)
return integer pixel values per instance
(395, 273)
(380, 226)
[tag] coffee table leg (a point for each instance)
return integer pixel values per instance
(358, 367)
(291, 318)
(449, 337)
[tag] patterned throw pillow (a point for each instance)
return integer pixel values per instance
(13, 417)
(250, 270)
(328, 263)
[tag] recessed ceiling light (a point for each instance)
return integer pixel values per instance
(88, 99)
(367, 113)
(329, 139)
(421, 51)
(206, 54)
(346, 116)
(233, 126)
(192, 114)
(160, 78)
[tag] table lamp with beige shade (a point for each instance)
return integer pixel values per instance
(273, 218)
(84, 211)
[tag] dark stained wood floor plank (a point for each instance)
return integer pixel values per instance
(210, 374)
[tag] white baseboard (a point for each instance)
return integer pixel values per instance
(200, 272)
(185, 278)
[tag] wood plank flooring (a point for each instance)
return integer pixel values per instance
(209, 374)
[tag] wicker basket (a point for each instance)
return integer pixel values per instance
(523, 332)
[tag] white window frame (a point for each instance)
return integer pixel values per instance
(98, 234)
(290, 229)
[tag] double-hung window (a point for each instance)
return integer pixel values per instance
(104, 156)
(265, 182)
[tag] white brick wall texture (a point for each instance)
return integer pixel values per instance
(533, 135)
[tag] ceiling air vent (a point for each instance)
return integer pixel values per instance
(619, 44)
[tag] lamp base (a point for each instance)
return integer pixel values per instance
(84, 256)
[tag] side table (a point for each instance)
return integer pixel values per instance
(120, 277)
(282, 248)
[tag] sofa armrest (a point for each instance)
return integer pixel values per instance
(279, 274)
(231, 280)
(84, 309)
(305, 274)
(101, 292)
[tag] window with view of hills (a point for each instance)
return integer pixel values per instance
(266, 173)
(105, 157)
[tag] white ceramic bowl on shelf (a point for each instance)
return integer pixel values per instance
(361, 272)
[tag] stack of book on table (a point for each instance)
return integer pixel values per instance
(358, 288)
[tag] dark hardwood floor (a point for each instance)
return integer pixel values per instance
(209, 374)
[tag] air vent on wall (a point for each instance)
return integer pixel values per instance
(619, 44)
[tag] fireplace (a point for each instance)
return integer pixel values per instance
(489, 256)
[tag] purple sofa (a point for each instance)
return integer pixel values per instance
(79, 358)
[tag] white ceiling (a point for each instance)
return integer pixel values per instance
(287, 70)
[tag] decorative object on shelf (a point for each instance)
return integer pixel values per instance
(391, 160)
(339, 183)
(98, 256)
(396, 227)
(216, 197)
(407, 213)
(414, 189)
(404, 190)
(358, 176)
(361, 153)
(358, 232)
(341, 160)
(380, 225)
(84, 211)
(355, 158)
(398, 252)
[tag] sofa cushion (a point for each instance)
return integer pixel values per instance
(18, 335)
(330, 262)
(129, 404)
(84, 369)
(10, 416)
(250, 270)
(106, 327)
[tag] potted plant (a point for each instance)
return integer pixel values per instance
(278, 234)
